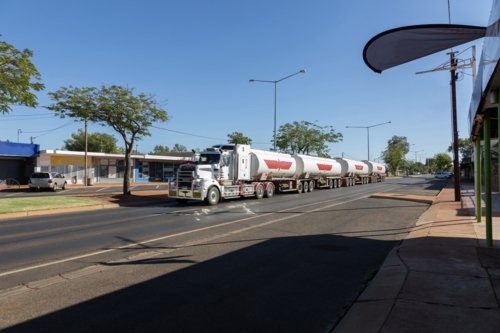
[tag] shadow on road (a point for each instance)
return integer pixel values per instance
(286, 284)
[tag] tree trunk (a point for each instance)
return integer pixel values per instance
(126, 177)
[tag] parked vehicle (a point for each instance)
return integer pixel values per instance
(47, 180)
(443, 175)
(234, 171)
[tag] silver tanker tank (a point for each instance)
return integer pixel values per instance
(313, 166)
(352, 168)
(375, 168)
(268, 164)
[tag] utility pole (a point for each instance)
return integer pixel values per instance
(456, 169)
(86, 125)
(18, 131)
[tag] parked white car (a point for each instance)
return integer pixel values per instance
(47, 180)
(443, 175)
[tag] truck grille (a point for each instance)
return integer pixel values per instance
(184, 178)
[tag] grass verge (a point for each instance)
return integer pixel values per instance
(18, 205)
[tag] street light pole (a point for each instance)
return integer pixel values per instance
(18, 131)
(368, 134)
(276, 97)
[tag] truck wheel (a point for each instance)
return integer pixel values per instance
(259, 193)
(212, 196)
(306, 187)
(331, 184)
(311, 186)
(269, 191)
(299, 187)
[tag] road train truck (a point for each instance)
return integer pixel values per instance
(230, 171)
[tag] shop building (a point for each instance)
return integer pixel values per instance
(17, 161)
(109, 168)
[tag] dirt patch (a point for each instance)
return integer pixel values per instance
(136, 198)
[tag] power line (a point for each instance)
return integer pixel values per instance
(23, 119)
(201, 136)
(50, 130)
(27, 115)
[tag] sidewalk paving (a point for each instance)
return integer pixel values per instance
(440, 279)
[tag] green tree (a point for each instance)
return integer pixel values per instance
(96, 142)
(431, 164)
(394, 154)
(238, 138)
(394, 157)
(179, 149)
(400, 141)
(7, 139)
(159, 149)
(18, 78)
(306, 137)
(463, 145)
(129, 114)
(443, 162)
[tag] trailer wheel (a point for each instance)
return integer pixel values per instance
(311, 186)
(299, 187)
(213, 196)
(269, 191)
(305, 185)
(259, 193)
(331, 183)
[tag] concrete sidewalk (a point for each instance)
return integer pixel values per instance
(440, 279)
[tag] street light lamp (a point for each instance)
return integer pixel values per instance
(368, 132)
(275, 95)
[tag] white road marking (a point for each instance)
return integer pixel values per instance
(132, 187)
(158, 186)
(202, 229)
(8, 195)
(100, 189)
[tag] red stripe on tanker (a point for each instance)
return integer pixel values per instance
(324, 167)
(278, 165)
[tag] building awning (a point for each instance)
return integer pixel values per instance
(401, 45)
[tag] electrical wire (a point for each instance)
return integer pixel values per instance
(201, 136)
(24, 119)
(53, 129)
(27, 115)
(69, 123)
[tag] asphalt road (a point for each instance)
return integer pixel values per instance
(78, 190)
(291, 263)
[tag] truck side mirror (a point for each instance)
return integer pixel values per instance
(225, 160)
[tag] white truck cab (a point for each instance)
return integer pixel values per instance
(217, 173)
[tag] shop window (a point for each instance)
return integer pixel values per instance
(120, 169)
(44, 168)
(143, 170)
(103, 171)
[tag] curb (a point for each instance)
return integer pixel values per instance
(370, 310)
(56, 211)
(407, 197)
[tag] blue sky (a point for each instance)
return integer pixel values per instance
(199, 55)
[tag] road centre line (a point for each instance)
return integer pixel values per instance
(8, 195)
(100, 189)
(193, 231)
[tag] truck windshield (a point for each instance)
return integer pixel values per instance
(209, 159)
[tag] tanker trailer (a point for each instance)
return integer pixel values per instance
(376, 171)
(318, 172)
(276, 170)
(353, 172)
